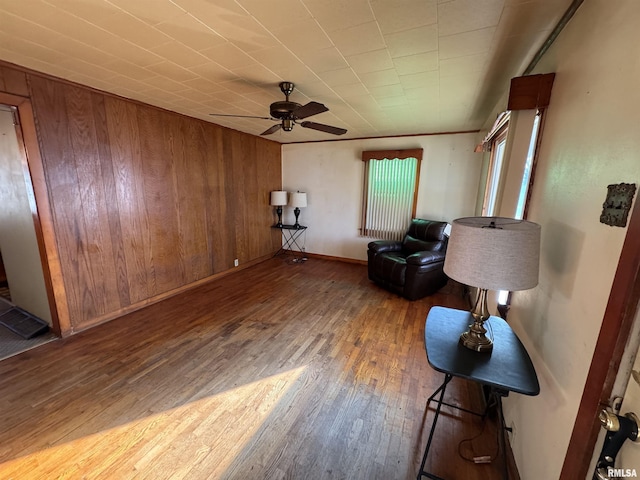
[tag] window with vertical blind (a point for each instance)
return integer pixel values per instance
(390, 192)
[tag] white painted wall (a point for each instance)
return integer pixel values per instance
(332, 175)
(590, 140)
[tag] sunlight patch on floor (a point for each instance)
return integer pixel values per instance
(198, 439)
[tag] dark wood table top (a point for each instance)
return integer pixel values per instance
(506, 367)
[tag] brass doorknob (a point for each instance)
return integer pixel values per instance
(611, 422)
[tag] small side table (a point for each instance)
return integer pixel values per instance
(507, 368)
(292, 234)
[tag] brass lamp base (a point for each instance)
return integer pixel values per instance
(476, 341)
(475, 338)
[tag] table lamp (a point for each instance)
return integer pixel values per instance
(278, 200)
(491, 253)
(297, 200)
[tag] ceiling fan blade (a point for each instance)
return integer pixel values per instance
(324, 128)
(238, 116)
(311, 108)
(271, 130)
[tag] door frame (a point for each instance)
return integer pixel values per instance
(614, 332)
(41, 211)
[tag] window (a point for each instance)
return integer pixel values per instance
(496, 142)
(390, 192)
(528, 167)
(527, 172)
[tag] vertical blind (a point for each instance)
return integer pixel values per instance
(389, 196)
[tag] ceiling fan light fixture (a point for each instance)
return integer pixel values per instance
(287, 124)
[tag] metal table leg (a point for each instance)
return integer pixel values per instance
(291, 236)
(442, 388)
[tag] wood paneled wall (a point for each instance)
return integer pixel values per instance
(145, 202)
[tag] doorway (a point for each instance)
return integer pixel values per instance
(609, 356)
(4, 285)
(23, 287)
(625, 402)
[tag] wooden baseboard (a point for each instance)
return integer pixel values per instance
(158, 298)
(163, 296)
(511, 462)
(337, 259)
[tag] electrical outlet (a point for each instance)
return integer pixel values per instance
(235, 262)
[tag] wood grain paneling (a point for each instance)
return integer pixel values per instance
(13, 81)
(145, 201)
(128, 200)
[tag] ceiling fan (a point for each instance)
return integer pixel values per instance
(289, 113)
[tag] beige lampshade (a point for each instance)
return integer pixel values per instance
(298, 199)
(278, 198)
(494, 253)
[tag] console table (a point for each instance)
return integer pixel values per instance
(507, 368)
(292, 234)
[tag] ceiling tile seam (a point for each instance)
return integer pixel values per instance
(492, 44)
(176, 41)
(341, 56)
(56, 65)
(221, 67)
(420, 88)
(40, 61)
(113, 57)
(344, 100)
(299, 59)
(494, 27)
(99, 27)
(248, 53)
(102, 52)
(172, 39)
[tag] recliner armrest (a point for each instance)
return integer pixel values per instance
(425, 258)
(382, 246)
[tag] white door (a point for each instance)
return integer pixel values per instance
(627, 461)
(18, 240)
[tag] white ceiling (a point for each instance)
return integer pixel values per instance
(382, 67)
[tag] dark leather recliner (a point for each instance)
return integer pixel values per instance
(413, 267)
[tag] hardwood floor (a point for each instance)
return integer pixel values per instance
(279, 371)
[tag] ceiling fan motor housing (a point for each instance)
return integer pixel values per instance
(283, 109)
(291, 112)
